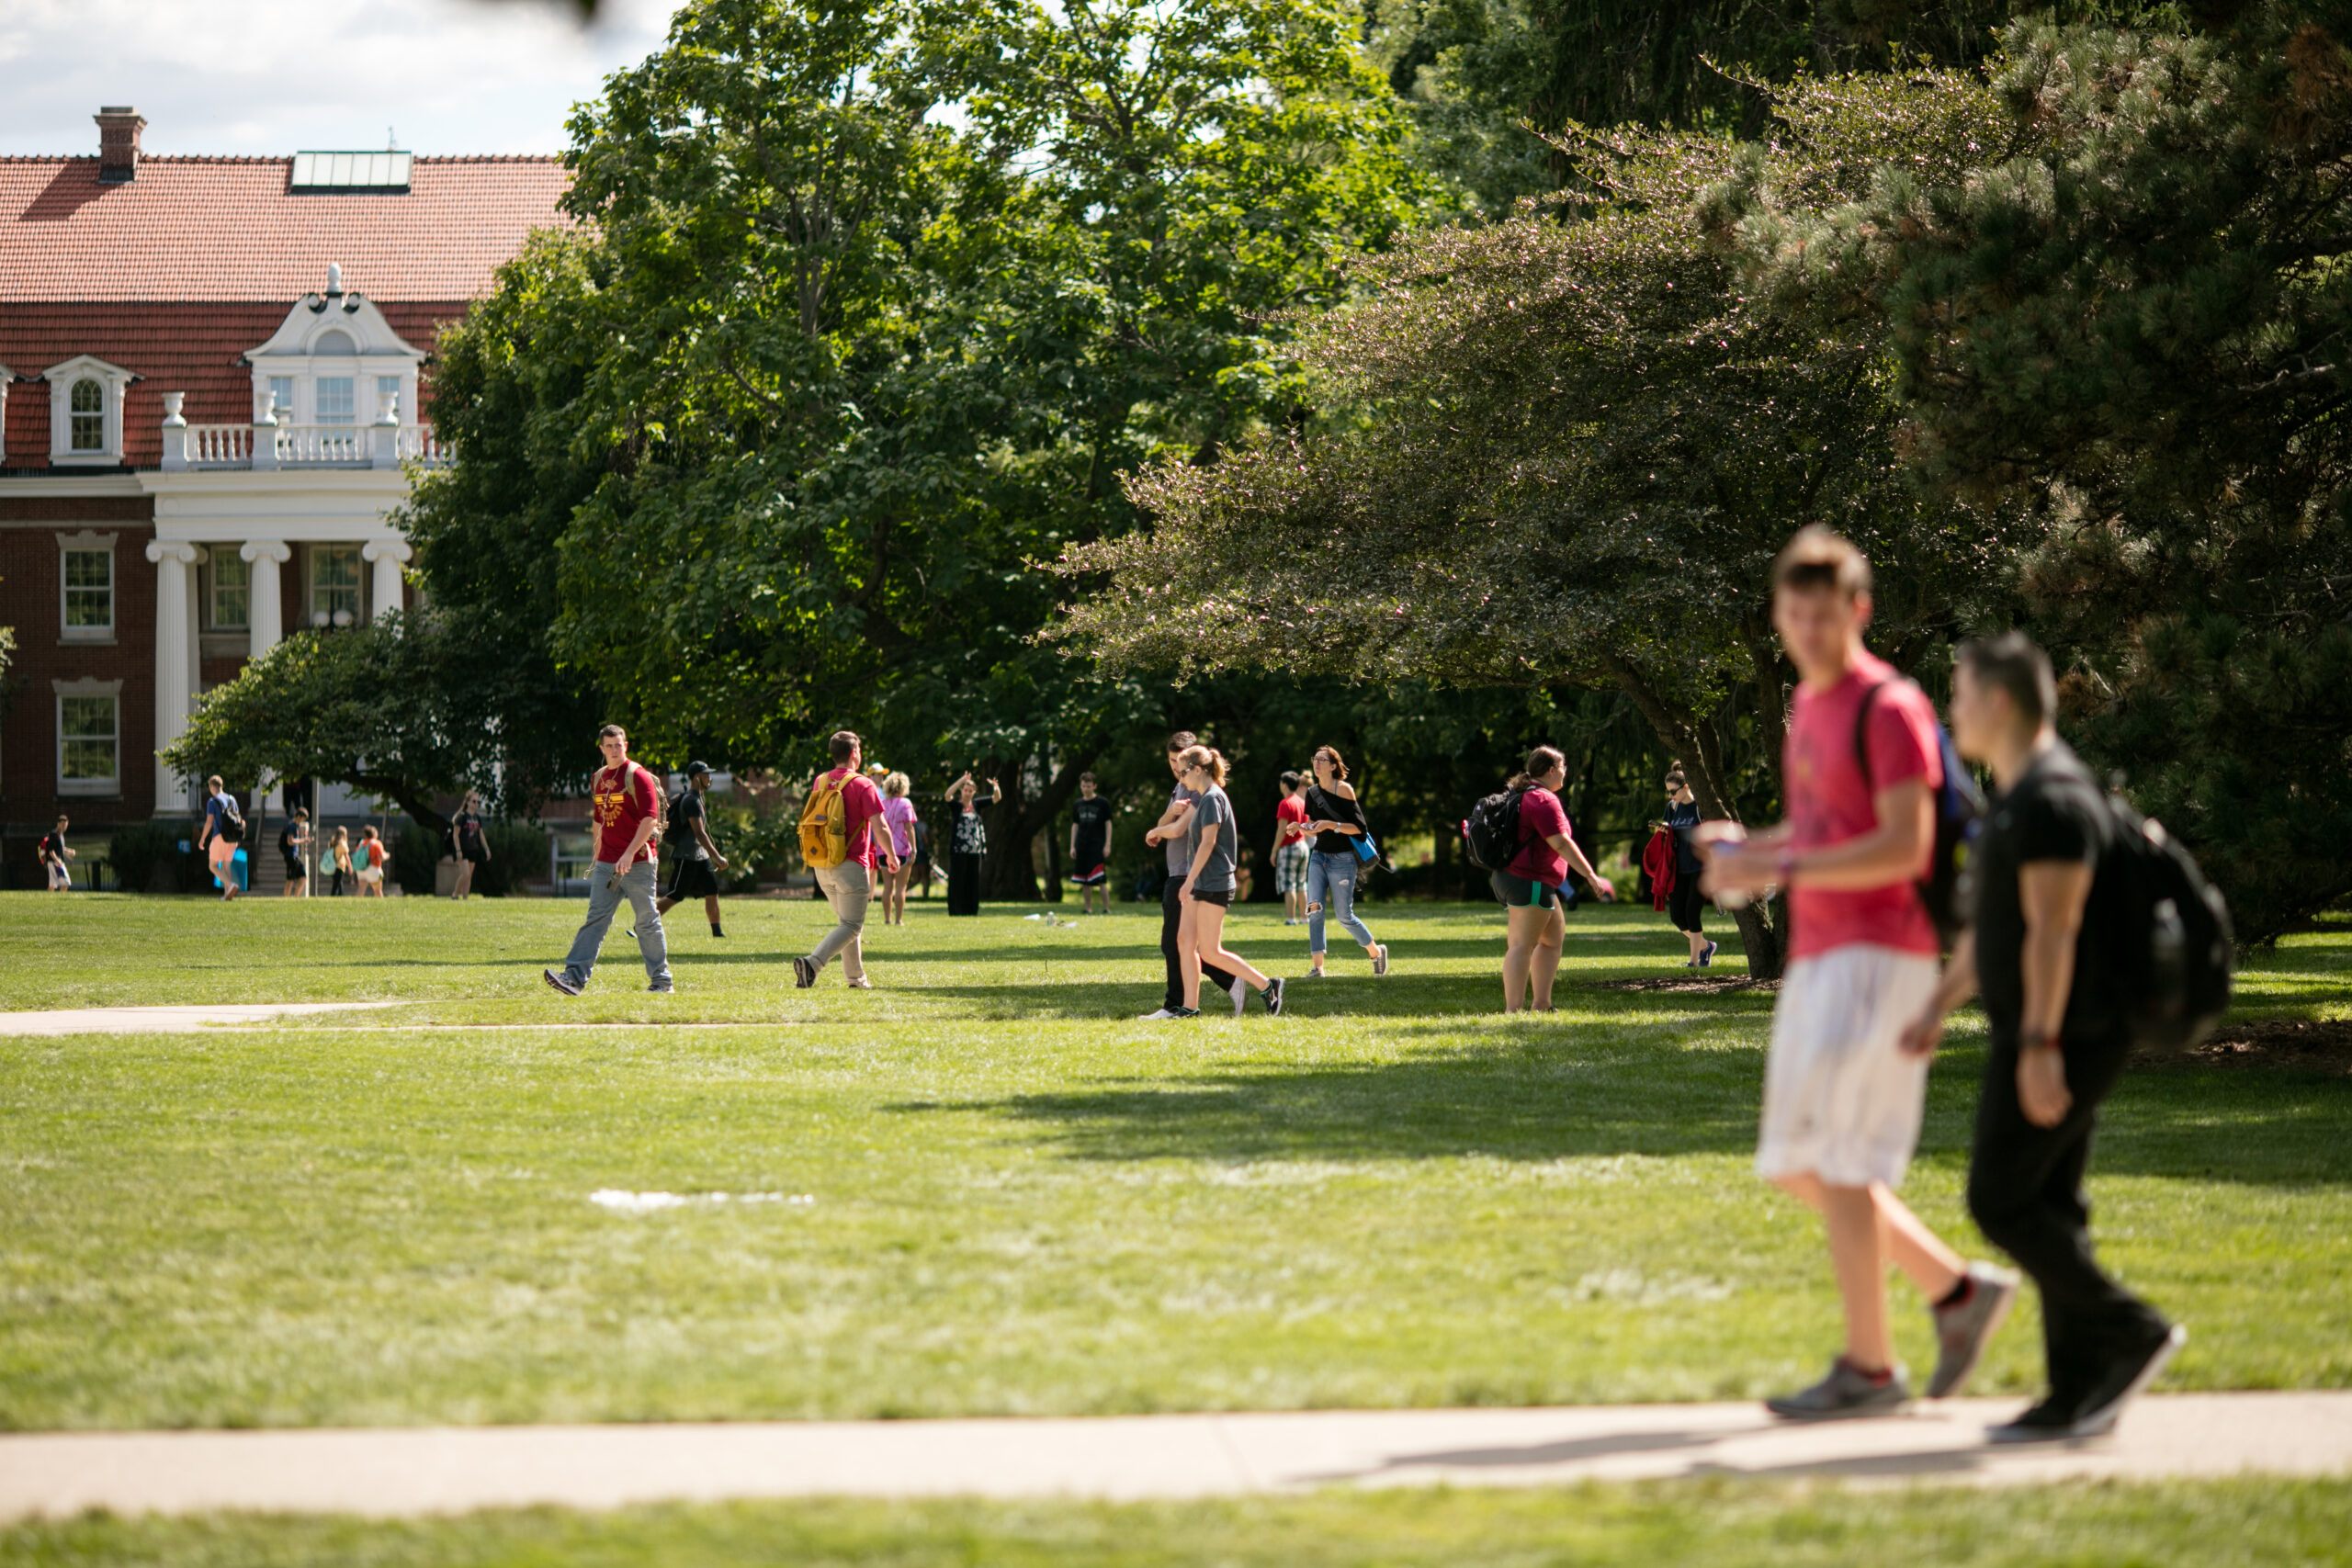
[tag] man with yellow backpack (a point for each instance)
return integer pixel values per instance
(840, 831)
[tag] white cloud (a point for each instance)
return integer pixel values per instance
(272, 77)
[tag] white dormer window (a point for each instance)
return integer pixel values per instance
(333, 360)
(85, 411)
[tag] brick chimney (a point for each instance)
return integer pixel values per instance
(118, 129)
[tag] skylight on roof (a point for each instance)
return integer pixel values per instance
(379, 173)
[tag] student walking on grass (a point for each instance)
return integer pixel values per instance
(1842, 1098)
(1685, 905)
(694, 859)
(1529, 884)
(899, 817)
(1215, 846)
(627, 802)
(1172, 831)
(840, 829)
(1291, 849)
(1089, 845)
(969, 849)
(468, 843)
(224, 830)
(2048, 877)
(342, 853)
(56, 854)
(1342, 845)
(293, 844)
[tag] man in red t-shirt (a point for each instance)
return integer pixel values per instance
(626, 802)
(849, 886)
(1290, 848)
(1842, 1098)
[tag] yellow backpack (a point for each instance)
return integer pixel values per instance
(824, 824)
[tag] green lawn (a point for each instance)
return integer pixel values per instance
(1019, 1200)
(1718, 1524)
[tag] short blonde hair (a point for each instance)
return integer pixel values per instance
(1819, 558)
(897, 784)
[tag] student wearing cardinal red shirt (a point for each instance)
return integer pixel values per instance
(627, 803)
(1842, 1097)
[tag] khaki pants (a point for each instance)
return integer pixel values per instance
(848, 887)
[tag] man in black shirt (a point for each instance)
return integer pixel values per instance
(54, 853)
(293, 843)
(1089, 845)
(468, 842)
(691, 855)
(2048, 882)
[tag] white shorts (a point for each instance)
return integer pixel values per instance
(60, 879)
(371, 874)
(1841, 1100)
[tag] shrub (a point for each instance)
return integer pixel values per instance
(415, 849)
(518, 853)
(146, 858)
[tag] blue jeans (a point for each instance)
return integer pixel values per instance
(1331, 888)
(637, 887)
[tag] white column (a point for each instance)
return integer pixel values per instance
(387, 555)
(175, 675)
(265, 624)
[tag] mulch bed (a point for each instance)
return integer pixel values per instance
(1686, 984)
(2300, 1043)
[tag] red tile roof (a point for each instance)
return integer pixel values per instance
(228, 229)
(193, 348)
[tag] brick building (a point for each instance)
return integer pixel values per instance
(214, 381)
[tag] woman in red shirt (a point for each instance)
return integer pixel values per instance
(1528, 886)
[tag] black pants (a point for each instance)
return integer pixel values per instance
(1172, 915)
(1684, 906)
(963, 885)
(2025, 1186)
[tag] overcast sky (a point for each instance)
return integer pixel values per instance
(276, 76)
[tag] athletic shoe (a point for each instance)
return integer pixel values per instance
(1380, 959)
(1846, 1393)
(859, 985)
(804, 973)
(1241, 990)
(1156, 1017)
(1315, 974)
(1963, 1328)
(1185, 1012)
(663, 990)
(1272, 996)
(2047, 1422)
(560, 982)
(2124, 1383)
(1712, 948)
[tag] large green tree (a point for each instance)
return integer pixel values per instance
(2137, 323)
(1564, 454)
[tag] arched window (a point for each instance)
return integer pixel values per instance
(89, 417)
(335, 343)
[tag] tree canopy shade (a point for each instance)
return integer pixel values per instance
(2138, 323)
(404, 708)
(1566, 453)
(871, 305)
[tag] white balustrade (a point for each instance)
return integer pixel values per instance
(306, 445)
(219, 445)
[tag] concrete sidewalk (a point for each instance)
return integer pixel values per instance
(163, 1019)
(448, 1470)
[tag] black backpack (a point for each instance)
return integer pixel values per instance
(674, 831)
(1960, 818)
(232, 821)
(1490, 833)
(2173, 945)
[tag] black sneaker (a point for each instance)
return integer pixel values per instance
(1380, 958)
(804, 973)
(1272, 996)
(563, 983)
(2124, 1383)
(1846, 1393)
(1185, 1012)
(1963, 1328)
(2051, 1421)
(663, 990)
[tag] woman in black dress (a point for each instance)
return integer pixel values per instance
(969, 846)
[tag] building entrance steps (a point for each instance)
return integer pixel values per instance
(414, 1471)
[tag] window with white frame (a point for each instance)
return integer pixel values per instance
(85, 574)
(335, 400)
(231, 599)
(88, 402)
(89, 737)
(334, 585)
(389, 387)
(281, 397)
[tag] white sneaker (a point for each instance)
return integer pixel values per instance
(1240, 995)
(1154, 1017)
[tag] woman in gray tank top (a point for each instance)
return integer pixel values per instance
(1209, 884)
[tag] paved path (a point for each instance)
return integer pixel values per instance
(162, 1020)
(445, 1469)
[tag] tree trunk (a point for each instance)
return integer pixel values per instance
(1010, 869)
(1053, 864)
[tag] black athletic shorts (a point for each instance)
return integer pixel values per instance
(1094, 878)
(1222, 897)
(1684, 905)
(1523, 893)
(693, 879)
